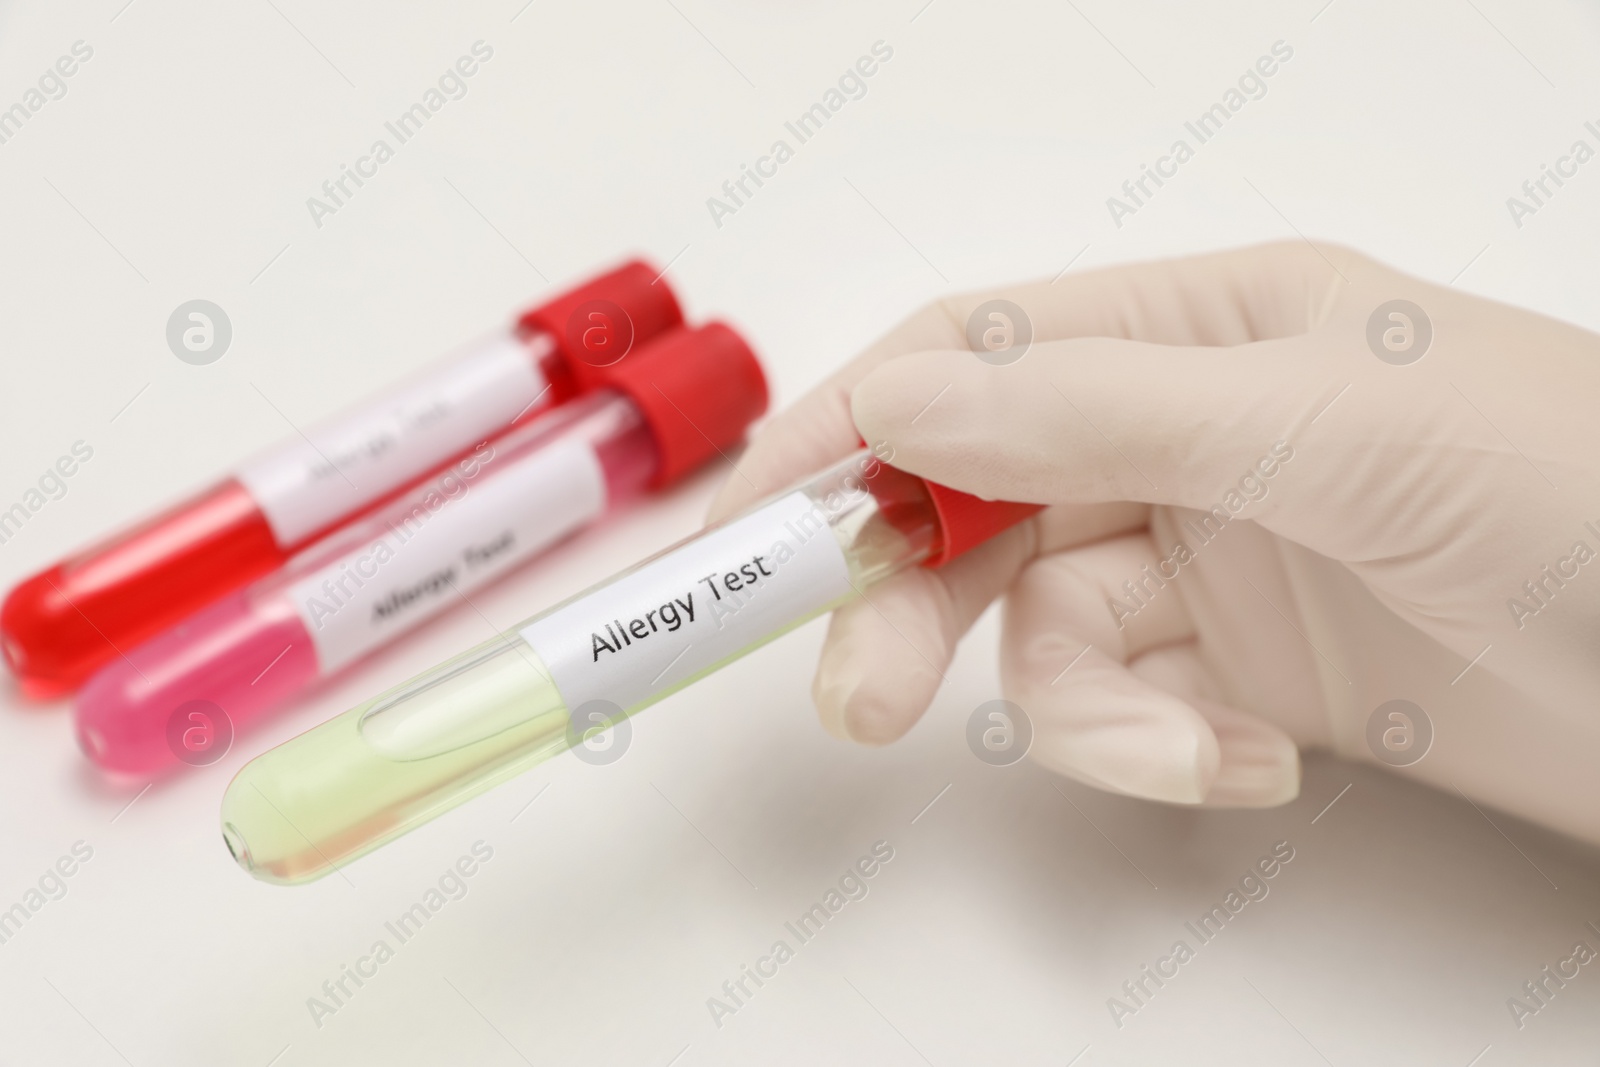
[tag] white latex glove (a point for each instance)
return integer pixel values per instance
(1406, 508)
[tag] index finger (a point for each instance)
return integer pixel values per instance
(1226, 298)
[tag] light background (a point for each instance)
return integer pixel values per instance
(178, 166)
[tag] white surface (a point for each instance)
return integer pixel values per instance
(178, 165)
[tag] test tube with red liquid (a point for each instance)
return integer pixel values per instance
(60, 625)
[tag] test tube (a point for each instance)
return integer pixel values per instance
(383, 768)
(57, 627)
(672, 404)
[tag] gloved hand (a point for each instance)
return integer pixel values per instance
(1271, 517)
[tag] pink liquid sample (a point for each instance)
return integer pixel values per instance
(252, 651)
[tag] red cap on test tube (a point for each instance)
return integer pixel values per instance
(698, 390)
(966, 521)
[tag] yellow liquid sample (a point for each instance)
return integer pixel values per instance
(375, 772)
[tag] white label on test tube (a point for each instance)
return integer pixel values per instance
(304, 485)
(456, 536)
(659, 626)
